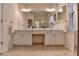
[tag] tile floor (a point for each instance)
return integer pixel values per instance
(38, 51)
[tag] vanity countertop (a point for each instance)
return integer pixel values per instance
(39, 29)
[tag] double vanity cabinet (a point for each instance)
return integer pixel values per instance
(50, 37)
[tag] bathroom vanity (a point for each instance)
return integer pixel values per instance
(47, 36)
(41, 28)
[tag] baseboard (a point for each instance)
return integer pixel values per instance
(22, 45)
(0, 53)
(26, 45)
(56, 45)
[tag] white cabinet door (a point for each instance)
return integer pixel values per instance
(18, 39)
(27, 39)
(60, 38)
(50, 39)
(23, 38)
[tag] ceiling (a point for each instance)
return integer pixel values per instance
(38, 6)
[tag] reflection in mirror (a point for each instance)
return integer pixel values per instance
(30, 22)
(36, 24)
(62, 13)
(55, 17)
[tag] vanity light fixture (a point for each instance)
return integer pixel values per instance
(26, 10)
(50, 10)
(60, 10)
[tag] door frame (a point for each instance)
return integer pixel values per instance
(1, 21)
(78, 30)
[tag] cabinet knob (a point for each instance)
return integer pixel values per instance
(1, 43)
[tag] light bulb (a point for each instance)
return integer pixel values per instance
(26, 10)
(50, 10)
(60, 10)
(23, 10)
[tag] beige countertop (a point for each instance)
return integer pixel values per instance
(39, 29)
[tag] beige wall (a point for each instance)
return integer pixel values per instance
(76, 17)
(21, 21)
(74, 34)
(76, 24)
(71, 38)
(69, 41)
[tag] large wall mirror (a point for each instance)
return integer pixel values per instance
(38, 19)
